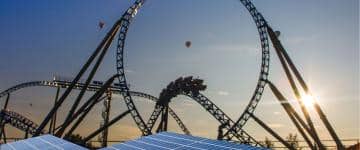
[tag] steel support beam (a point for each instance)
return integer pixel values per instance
(273, 133)
(109, 35)
(93, 88)
(189, 87)
(279, 49)
(292, 114)
(2, 123)
(6, 101)
(53, 119)
(106, 126)
(164, 119)
(93, 100)
(179, 122)
(26, 133)
(3, 134)
(282, 52)
(88, 80)
(106, 116)
(220, 131)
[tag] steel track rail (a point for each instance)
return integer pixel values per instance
(91, 87)
(124, 26)
(190, 88)
(261, 26)
(19, 121)
(264, 69)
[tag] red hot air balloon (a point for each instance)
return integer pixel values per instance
(188, 44)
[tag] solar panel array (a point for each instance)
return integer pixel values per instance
(174, 141)
(160, 141)
(45, 142)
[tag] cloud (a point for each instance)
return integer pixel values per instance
(252, 50)
(211, 35)
(128, 131)
(223, 93)
(129, 71)
(189, 103)
(278, 103)
(277, 113)
(301, 39)
(117, 95)
(275, 125)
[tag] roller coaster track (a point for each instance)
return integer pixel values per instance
(233, 129)
(172, 113)
(264, 69)
(190, 87)
(91, 87)
(124, 26)
(18, 121)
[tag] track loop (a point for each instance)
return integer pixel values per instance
(191, 88)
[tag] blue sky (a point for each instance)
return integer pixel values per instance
(41, 38)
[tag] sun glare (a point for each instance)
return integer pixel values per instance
(308, 100)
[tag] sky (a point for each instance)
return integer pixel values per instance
(40, 39)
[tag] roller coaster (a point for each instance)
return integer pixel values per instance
(229, 129)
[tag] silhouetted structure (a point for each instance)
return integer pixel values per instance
(188, 86)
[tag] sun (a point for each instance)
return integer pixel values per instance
(308, 100)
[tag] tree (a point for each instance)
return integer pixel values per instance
(77, 139)
(293, 140)
(268, 143)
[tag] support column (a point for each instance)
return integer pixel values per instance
(53, 119)
(273, 133)
(166, 118)
(2, 123)
(316, 105)
(105, 116)
(285, 62)
(3, 134)
(7, 101)
(92, 101)
(106, 126)
(295, 118)
(110, 35)
(220, 131)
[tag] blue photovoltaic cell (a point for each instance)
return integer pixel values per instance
(45, 142)
(171, 141)
(160, 141)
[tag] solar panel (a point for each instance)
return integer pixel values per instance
(171, 141)
(44, 142)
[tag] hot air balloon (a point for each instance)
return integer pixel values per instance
(101, 24)
(277, 33)
(188, 44)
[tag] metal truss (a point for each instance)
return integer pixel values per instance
(264, 70)
(191, 87)
(22, 85)
(124, 26)
(290, 70)
(182, 86)
(18, 121)
(171, 112)
(105, 116)
(261, 26)
(91, 87)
